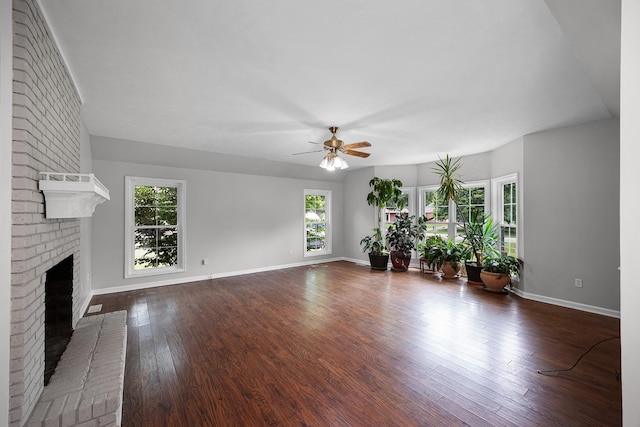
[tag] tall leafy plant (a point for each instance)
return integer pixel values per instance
(384, 192)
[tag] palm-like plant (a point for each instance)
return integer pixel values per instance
(450, 185)
(481, 232)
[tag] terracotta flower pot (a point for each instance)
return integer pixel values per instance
(449, 271)
(494, 282)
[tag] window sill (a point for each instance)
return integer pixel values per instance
(153, 272)
(312, 254)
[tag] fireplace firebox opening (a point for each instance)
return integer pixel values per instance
(58, 316)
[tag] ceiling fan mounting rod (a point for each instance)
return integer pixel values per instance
(334, 142)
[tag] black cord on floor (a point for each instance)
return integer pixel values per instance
(552, 371)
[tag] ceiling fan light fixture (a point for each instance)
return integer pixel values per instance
(340, 163)
(332, 162)
(324, 163)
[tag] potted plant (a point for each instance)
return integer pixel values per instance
(384, 192)
(431, 251)
(402, 236)
(454, 254)
(497, 271)
(481, 233)
(375, 246)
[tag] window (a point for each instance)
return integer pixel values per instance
(317, 222)
(154, 226)
(506, 212)
(443, 217)
(471, 203)
(436, 212)
(391, 210)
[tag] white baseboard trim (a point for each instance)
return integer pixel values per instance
(83, 308)
(568, 304)
(356, 261)
(145, 285)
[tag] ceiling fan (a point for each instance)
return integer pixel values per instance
(331, 160)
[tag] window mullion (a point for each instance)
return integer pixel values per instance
(453, 220)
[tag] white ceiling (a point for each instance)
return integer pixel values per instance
(261, 79)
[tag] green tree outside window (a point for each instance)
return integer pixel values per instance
(156, 226)
(315, 222)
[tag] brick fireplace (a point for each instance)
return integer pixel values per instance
(46, 138)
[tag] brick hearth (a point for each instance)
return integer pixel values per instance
(87, 386)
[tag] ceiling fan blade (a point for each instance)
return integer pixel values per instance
(356, 153)
(307, 152)
(356, 145)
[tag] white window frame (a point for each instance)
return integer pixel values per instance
(421, 203)
(497, 189)
(452, 224)
(328, 227)
(487, 199)
(129, 265)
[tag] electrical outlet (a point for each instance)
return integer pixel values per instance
(578, 283)
(204, 261)
(95, 308)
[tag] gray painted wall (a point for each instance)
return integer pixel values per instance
(238, 222)
(163, 155)
(571, 202)
(408, 174)
(359, 216)
(507, 159)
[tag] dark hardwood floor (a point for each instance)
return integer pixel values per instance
(341, 345)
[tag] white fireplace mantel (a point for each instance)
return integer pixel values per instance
(71, 195)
